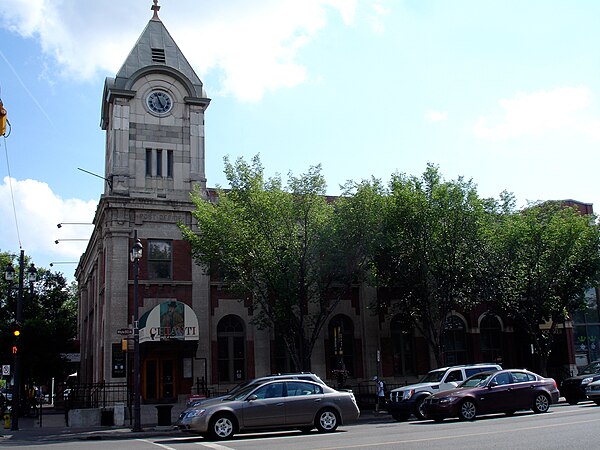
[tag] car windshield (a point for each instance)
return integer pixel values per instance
(237, 387)
(241, 393)
(591, 369)
(479, 379)
(433, 377)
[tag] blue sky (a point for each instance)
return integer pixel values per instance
(503, 92)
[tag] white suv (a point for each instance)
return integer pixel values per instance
(408, 400)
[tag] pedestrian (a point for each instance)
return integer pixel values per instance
(380, 386)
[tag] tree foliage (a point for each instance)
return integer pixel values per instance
(49, 323)
(282, 247)
(429, 246)
(429, 261)
(546, 258)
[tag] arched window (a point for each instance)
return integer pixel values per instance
(454, 341)
(403, 347)
(341, 337)
(231, 347)
(490, 330)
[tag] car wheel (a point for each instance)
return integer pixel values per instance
(400, 417)
(327, 421)
(541, 403)
(222, 426)
(419, 408)
(571, 400)
(467, 410)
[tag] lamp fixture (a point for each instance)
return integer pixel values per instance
(61, 240)
(59, 225)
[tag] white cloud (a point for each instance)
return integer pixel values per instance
(565, 109)
(38, 210)
(436, 116)
(254, 44)
(378, 13)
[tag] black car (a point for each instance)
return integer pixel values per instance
(573, 389)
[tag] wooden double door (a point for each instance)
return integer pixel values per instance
(159, 377)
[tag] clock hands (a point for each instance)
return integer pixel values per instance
(159, 102)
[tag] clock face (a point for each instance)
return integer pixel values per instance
(159, 102)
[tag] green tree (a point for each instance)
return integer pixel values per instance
(545, 259)
(429, 261)
(49, 323)
(282, 248)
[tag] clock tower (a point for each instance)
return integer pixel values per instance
(153, 113)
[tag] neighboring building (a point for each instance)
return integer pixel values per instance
(585, 323)
(190, 327)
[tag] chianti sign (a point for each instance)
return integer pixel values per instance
(169, 321)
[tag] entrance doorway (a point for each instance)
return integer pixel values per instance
(158, 381)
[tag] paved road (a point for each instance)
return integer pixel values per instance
(564, 427)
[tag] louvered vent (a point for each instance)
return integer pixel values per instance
(158, 55)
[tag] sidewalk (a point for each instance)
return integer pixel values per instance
(53, 429)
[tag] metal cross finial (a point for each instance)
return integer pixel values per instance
(155, 8)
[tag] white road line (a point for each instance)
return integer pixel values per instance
(147, 441)
(214, 446)
(410, 441)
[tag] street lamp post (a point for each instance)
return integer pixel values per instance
(135, 256)
(31, 276)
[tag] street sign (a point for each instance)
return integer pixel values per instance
(124, 331)
(6, 369)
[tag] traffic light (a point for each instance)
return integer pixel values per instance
(16, 331)
(124, 345)
(2, 120)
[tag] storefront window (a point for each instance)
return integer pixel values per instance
(454, 341)
(491, 336)
(341, 336)
(403, 347)
(231, 346)
(283, 360)
(587, 331)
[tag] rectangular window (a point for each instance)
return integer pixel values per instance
(170, 163)
(148, 162)
(159, 164)
(160, 258)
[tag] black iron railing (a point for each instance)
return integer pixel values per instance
(94, 395)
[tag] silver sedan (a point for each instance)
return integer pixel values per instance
(274, 405)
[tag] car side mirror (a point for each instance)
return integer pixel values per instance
(252, 397)
(493, 384)
(453, 383)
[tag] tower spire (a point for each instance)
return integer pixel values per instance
(155, 8)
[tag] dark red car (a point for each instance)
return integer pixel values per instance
(501, 391)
